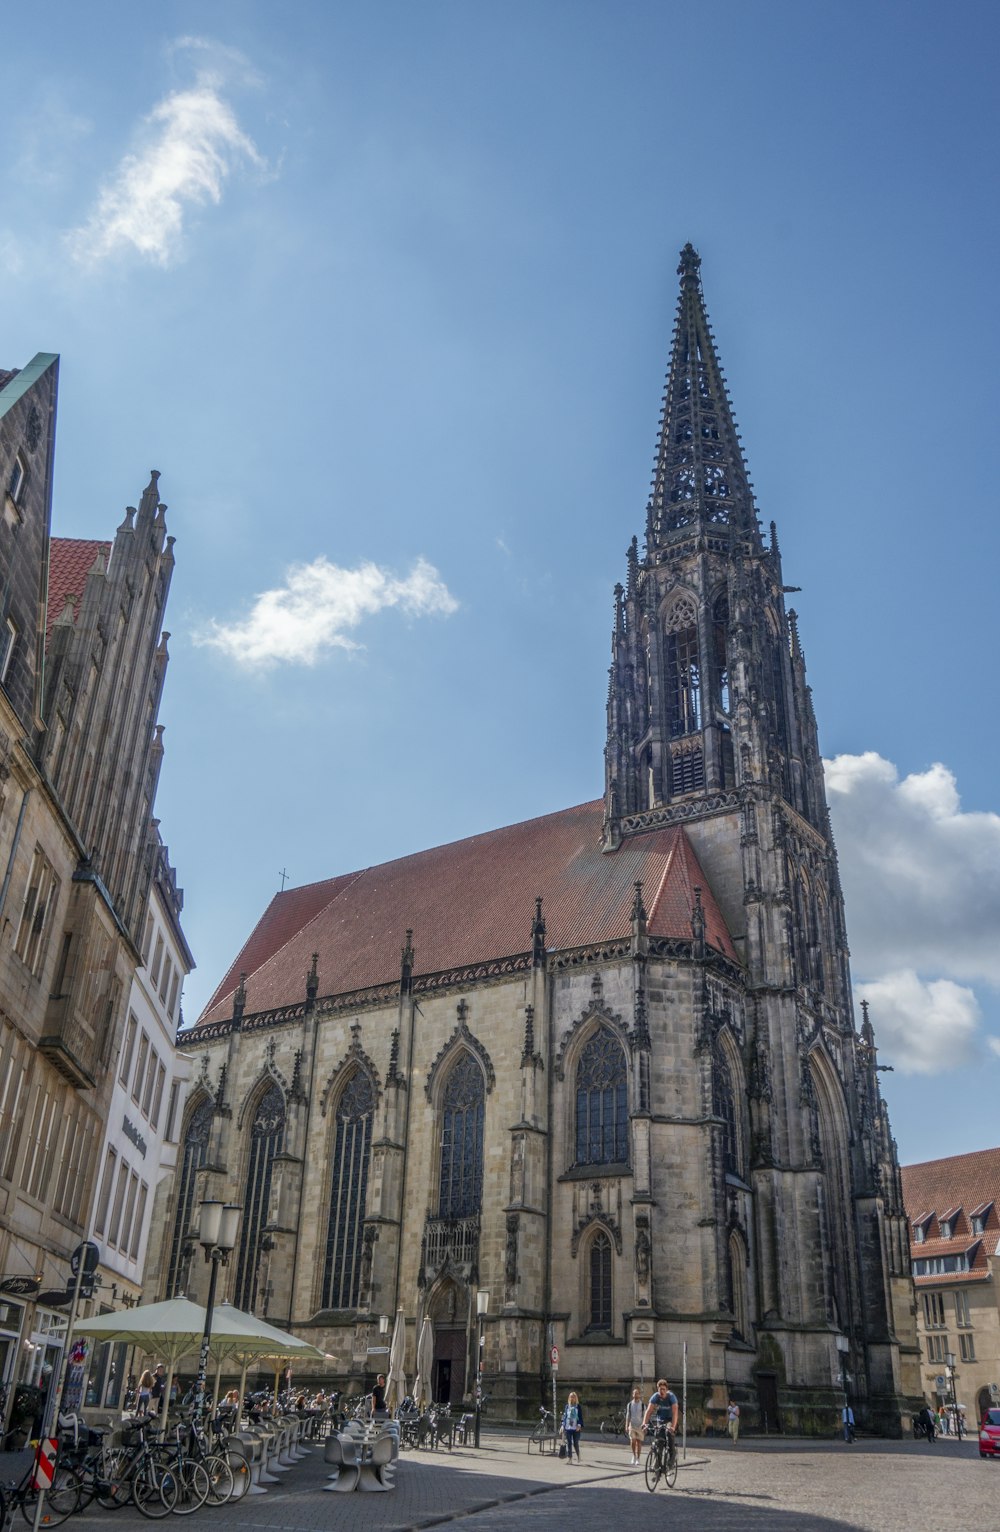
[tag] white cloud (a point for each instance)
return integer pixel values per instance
(190, 144)
(319, 605)
(925, 1027)
(921, 876)
(921, 882)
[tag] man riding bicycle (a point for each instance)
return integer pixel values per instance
(663, 1406)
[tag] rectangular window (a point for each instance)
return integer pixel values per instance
(170, 1132)
(8, 643)
(147, 1095)
(107, 1181)
(38, 1153)
(140, 1214)
(154, 1114)
(129, 1048)
(934, 1310)
(168, 969)
(116, 1216)
(172, 1002)
(140, 1068)
(147, 939)
(15, 1054)
(962, 1310)
(154, 972)
(967, 1346)
(126, 1231)
(39, 901)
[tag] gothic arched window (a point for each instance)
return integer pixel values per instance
(196, 1139)
(724, 1106)
(463, 1104)
(349, 1184)
(267, 1134)
(602, 1102)
(683, 672)
(737, 1259)
(600, 1282)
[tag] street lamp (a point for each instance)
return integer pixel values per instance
(218, 1227)
(949, 1370)
(482, 1308)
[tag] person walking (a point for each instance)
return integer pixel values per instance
(572, 1425)
(733, 1421)
(634, 1411)
(158, 1388)
(145, 1387)
(847, 1420)
(378, 1409)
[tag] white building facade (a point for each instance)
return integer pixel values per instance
(140, 1144)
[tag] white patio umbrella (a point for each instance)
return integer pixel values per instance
(425, 1362)
(395, 1383)
(172, 1329)
(244, 1338)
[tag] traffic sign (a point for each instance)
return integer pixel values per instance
(45, 1463)
(939, 1382)
(554, 1358)
(995, 1390)
(89, 1254)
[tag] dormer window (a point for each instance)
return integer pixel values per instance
(919, 1233)
(947, 1227)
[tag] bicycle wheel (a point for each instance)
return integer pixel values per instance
(220, 1478)
(154, 1490)
(653, 1466)
(60, 1501)
(670, 1472)
(111, 1486)
(239, 1465)
(193, 1486)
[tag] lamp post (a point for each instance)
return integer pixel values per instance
(218, 1226)
(482, 1308)
(949, 1370)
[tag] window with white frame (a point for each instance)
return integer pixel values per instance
(8, 643)
(962, 1309)
(140, 1068)
(15, 1060)
(128, 1048)
(35, 923)
(934, 1311)
(104, 1200)
(154, 1112)
(967, 1346)
(18, 478)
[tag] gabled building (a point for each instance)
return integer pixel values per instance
(601, 1066)
(953, 1206)
(79, 757)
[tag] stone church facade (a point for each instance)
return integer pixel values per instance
(603, 1064)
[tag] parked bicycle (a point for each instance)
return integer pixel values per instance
(614, 1424)
(545, 1436)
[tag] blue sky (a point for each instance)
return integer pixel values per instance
(385, 291)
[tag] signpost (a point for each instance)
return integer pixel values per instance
(83, 1264)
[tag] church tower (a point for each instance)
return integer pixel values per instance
(711, 725)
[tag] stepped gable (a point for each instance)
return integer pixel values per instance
(471, 902)
(70, 561)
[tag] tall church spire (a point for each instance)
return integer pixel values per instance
(700, 473)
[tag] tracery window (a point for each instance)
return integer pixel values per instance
(349, 1185)
(267, 1135)
(683, 671)
(195, 1154)
(463, 1106)
(720, 628)
(602, 1101)
(724, 1106)
(600, 1282)
(739, 1308)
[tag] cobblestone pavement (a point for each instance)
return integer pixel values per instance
(758, 1486)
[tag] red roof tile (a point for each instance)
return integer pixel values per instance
(471, 902)
(942, 1186)
(70, 562)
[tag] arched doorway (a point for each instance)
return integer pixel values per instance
(451, 1344)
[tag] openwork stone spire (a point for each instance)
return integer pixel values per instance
(700, 473)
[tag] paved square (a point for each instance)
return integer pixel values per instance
(758, 1486)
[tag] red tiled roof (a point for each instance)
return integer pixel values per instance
(962, 1180)
(956, 1246)
(471, 902)
(70, 561)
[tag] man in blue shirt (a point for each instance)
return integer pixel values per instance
(662, 1404)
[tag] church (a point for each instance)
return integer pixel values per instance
(601, 1066)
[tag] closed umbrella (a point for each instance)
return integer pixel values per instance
(425, 1362)
(395, 1386)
